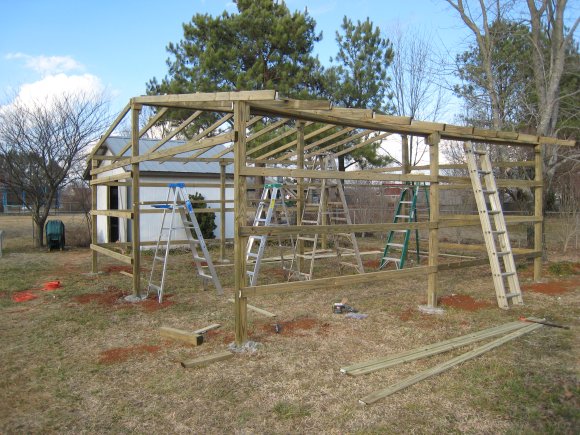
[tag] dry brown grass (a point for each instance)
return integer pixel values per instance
(79, 359)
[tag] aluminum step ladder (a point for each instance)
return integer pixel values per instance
(271, 211)
(177, 203)
(325, 203)
(494, 228)
(405, 212)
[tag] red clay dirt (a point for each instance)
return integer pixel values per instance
(553, 287)
(23, 296)
(371, 264)
(117, 268)
(108, 298)
(121, 354)
(151, 304)
(463, 302)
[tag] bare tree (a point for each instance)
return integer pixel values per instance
(41, 142)
(415, 91)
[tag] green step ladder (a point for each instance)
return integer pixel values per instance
(407, 204)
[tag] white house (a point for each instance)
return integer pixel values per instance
(118, 196)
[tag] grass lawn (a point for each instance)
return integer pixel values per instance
(80, 359)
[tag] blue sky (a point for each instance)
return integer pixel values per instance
(52, 45)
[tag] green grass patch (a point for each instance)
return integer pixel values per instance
(287, 410)
(561, 268)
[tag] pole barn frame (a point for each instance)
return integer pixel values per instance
(284, 156)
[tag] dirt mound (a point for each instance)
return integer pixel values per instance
(463, 302)
(152, 304)
(121, 354)
(109, 297)
(552, 288)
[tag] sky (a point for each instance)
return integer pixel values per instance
(49, 46)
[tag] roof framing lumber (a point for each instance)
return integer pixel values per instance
(107, 133)
(197, 97)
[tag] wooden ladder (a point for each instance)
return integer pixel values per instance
(177, 202)
(325, 200)
(494, 228)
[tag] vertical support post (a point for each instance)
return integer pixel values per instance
(432, 279)
(94, 235)
(135, 228)
(241, 111)
(300, 192)
(405, 154)
(538, 209)
(222, 211)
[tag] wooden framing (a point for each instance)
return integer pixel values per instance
(245, 118)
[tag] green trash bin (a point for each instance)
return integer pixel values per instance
(55, 235)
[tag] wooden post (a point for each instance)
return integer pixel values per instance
(432, 279)
(300, 191)
(135, 228)
(94, 236)
(538, 209)
(222, 212)
(405, 164)
(241, 218)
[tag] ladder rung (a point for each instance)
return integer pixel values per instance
(157, 257)
(309, 222)
(251, 254)
(482, 172)
(396, 245)
(481, 153)
(155, 287)
(257, 237)
(336, 218)
(503, 253)
(488, 192)
(494, 212)
(400, 231)
(498, 232)
(504, 274)
(260, 220)
(512, 295)
(205, 275)
(198, 258)
(397, 260)
(334, 203)
(405, 202)
(402, 216)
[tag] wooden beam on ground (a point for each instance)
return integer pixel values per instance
(207, 359)
(440, 368)
(429, 350)
(113, 254)
(258, 310)
(122, 272)
(179, 335)
(207, 328)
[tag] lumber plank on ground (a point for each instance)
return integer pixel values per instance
(123, 272)
(258, 310)
(377, 395)
(206, 359)
(430, 350)
(207, 328)
(179, 335)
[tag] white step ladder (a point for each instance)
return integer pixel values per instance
(494, 228)
(177, 202)
(272, 197)
(325, 199)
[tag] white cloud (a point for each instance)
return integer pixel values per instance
(47, 65)
(55, 86)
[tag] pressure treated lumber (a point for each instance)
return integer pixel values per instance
(109, 253)
(429, 350)
(207, 359)
(179, 335)
(258, 310)
(440, 368)
(207, 328)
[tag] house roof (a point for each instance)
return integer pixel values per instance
(115, 144)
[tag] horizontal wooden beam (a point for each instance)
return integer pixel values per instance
(116, 177)
(247, 231)
(125, 214)
(330, 175)
(500, 182)
(206, 96)
(335, 281)
(113, 254)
